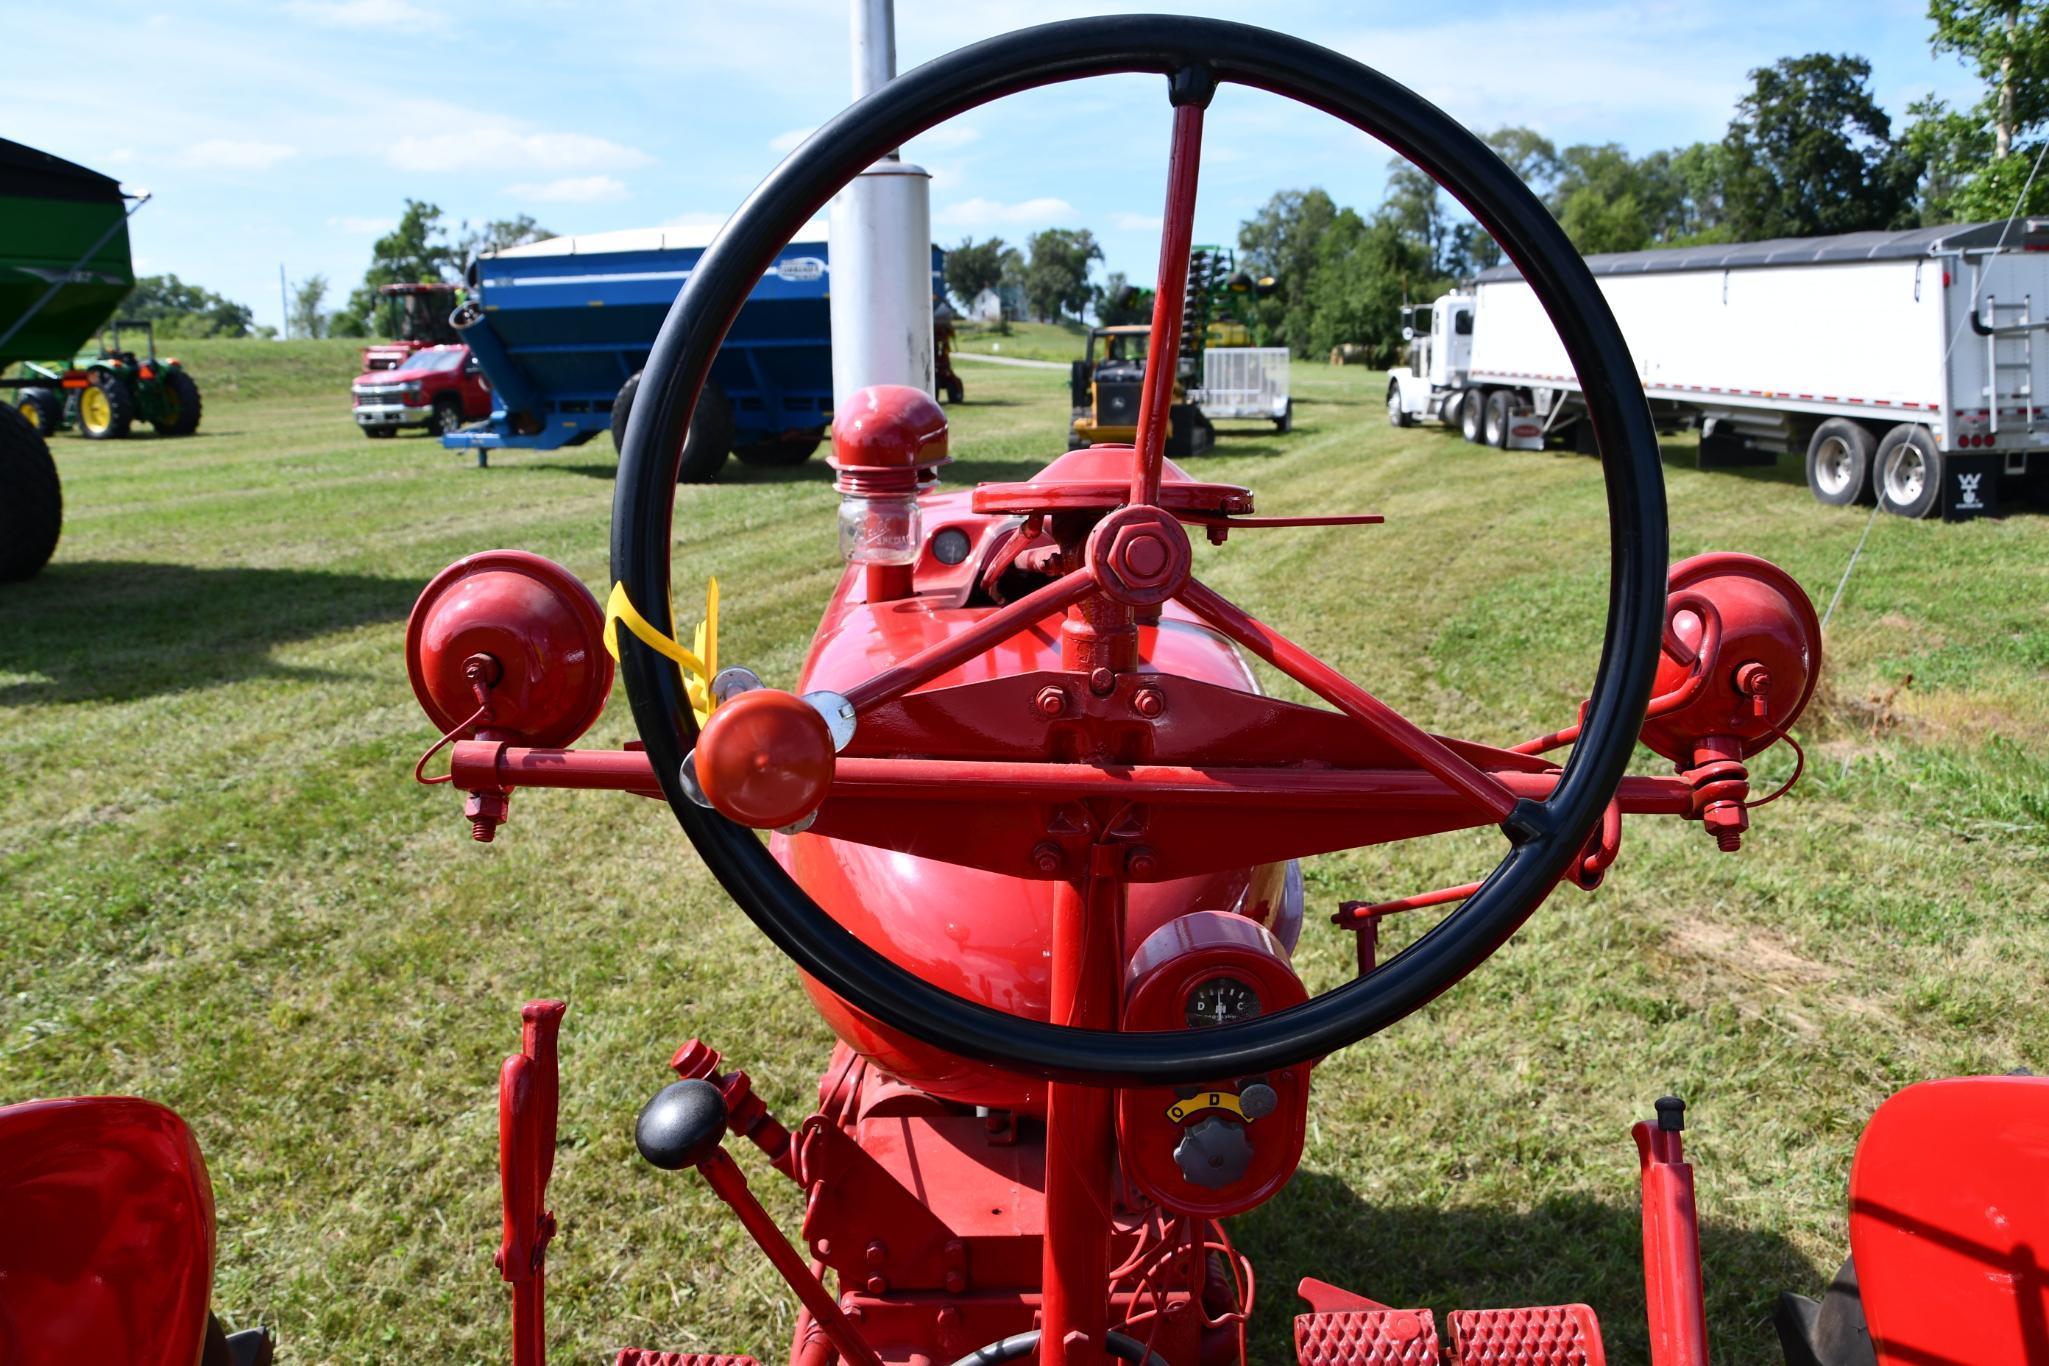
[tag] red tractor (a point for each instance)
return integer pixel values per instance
(1032, 831)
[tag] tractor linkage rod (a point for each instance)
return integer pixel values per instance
(1482, 789)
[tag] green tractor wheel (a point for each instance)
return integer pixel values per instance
(31, 502)
(43, 409)
(106, 407)
(178, 405)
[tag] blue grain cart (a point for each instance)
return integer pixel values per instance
(562, 328)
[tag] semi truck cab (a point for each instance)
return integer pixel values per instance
(1440, 338)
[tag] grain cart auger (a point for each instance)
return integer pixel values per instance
(1033, 831)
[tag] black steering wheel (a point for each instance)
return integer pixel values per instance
(1192, 53)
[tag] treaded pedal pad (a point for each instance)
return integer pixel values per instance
(1367, 1337)
(1545, 1335)
(641, 1356)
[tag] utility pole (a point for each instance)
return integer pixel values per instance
(284, 307)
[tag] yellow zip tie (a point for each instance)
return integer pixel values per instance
(698, 668)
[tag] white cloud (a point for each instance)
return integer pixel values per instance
(588, 189)
(1135, 222)
(456, 149)
(947, 136)
(982, 213)
(787, 141)
(120, 156)
(363, 227)
(370, 14)
(228, 154)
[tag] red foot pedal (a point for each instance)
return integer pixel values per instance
(1366, 1337)
(1548, 1335)
(641, 1356)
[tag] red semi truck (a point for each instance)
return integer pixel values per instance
(436, 389)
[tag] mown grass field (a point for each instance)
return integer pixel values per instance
(220, 888)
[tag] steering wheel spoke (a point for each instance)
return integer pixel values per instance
(1190, 89)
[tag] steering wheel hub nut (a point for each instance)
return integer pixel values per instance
(1139, 556)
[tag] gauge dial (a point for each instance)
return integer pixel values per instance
(1221, 1000)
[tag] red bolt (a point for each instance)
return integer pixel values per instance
(1726, 821)
(1050, 701)
(1755, 681)
(1142, 862)
(1102, 682)
(875, 1253)
(485, 811)
(1146, 555)
(1149, 702)
(1048, 859)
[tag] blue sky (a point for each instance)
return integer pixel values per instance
(290, 131)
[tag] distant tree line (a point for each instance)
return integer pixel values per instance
(420, 249)
(1808, 151)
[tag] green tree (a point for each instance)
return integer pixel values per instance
(1282, 240)
(2007, 43)
(1810, 152)
(1528, 153)
(1415, 207)
(416, 251)
(495, 235)
(1698, 209)
(1607, 200)
(308, 318)
(178, 309)
(973, 267)
(1056, 277)
(1364, 271)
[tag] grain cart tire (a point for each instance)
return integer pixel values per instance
(42, 408)
(447, 417)
(956, 391)
(1907, 473)
(1472, 415)
(1496, 417)
(1397, 416)
(181, 405)
(1839, 462)
(777, 455)
(106, 407)
(622, 403)
(31, 501)
(705, 443)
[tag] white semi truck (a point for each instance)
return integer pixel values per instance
(1904, 364)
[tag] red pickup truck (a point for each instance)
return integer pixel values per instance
(437, 390)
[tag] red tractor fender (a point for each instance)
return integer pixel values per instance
(108, 1254)
(1949, 1222)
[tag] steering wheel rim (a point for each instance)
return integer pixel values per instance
(1544, 835)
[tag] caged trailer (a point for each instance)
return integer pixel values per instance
(563, 327)
(1031, 833)
(1904, 365)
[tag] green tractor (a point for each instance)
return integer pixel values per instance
(105, 393)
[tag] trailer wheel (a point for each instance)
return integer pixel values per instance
(180, 406)
(775, 455)
(106, 408)
(1285, 423)
(43, 409)
(1397, 416)
(31, 500)
(1495, 418)
(1908, 475)
(956, 391)
(1472, 415)
(1839, 462)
